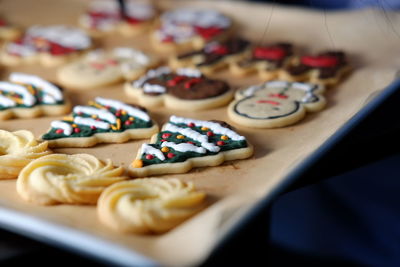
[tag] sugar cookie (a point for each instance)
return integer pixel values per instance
(188, 28)
(17, 149)
(184, 89)
(102, 121)
(103, 16)
(70, 179)
(275, 104)
(149, 205)
(214, 56)
(99, 68)
(28, 96)
(187, 143)
(48, 45)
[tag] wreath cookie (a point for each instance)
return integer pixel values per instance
(326, 68)
(149, 205)
(268, 61)
(99, 68)
(28, 96)
(184, 89)
(70, 179)
(187, 28)
(49, 45)
(187, 143)
(17, 149)
(214, 56)
(103, 16)
(102, 121)
(8, 31)
(275, 104)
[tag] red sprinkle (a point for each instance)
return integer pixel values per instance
(118, 113)
(209, 133)
(93, 127)
(220, 143)
(149, 156)
(191, 82)
(190, 142)
(166, 135)
(220, 50)
(278, 96)
(77, 130)
(175, 80)
(268, 102)
(170, 155)
(59, 131)
(163, 140)
(319, 61)
(128, 122)
(208, 33)
(191, 124)
(272, 53)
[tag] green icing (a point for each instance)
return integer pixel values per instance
(86, 131)
(182, 156)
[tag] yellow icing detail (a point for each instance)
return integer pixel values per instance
(94, 104)
(180, 136)
(224, 137)
(123, 112)
(94, 116)
(204, 129)
(165, 149)
(118, 124)
(113, 128)
(74, 125)
(137, 163)
(68, 118)
(131, 118)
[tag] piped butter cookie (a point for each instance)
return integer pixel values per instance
(184, 89)
(99, 68)
(275, 104)
(102, 121)
(28, 96)
(17, 149)
(186, 143)
(149, 205)
(69, 179)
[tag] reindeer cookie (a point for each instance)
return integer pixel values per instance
(326, 68)
(103, 16)
(275, 104)
(185, 89)
(99, 68)
(188, 28)
(186, 143)
(214, 56)
(268, 61)
(8, 31)
(49, 45)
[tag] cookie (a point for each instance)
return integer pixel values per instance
(99, 68)
(214, 56)
(184, 89)
(189, 28)
(149, 205)
(69, 179)
(102, 121)
(267, 61)
(8, 31)
(326, 68)
(28, 96)
(104, 17)
(48, 45)
(187, 143)
(275, 104)
(17, 149)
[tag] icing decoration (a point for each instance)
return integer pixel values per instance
(271, 53)
(319, 61)
(101, 116)
(147, 149)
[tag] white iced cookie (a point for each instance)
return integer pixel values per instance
(149, 205)
(71, 179)
(100, 68)
(17, 149)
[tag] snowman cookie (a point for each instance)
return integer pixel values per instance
(8, 31)
(103, 16)
(214, 56)
(102, 121)
(49, 45)
(99, 68)
(326, 68)
(189, 28)
(29, 96)
(184, 89)
(267, 61)
(275, 104)
(186, 143)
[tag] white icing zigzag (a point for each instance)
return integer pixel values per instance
(150, 74)
(101, 113)
(67, 129)
(132, 111)
(184, 147)
(147, 149)
(91, 122)
(27, 98)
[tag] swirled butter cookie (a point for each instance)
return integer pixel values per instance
(187, 143)
(28, 96)
(275, 104)
(17, 149)
(102, 121)
(70, 179)
(183, 89)
(149, 205)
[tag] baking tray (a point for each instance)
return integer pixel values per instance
(236, 189)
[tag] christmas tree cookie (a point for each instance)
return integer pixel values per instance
(28, 96)
(275, 104)
(184, 89)
(102, 121)
(187, 143)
